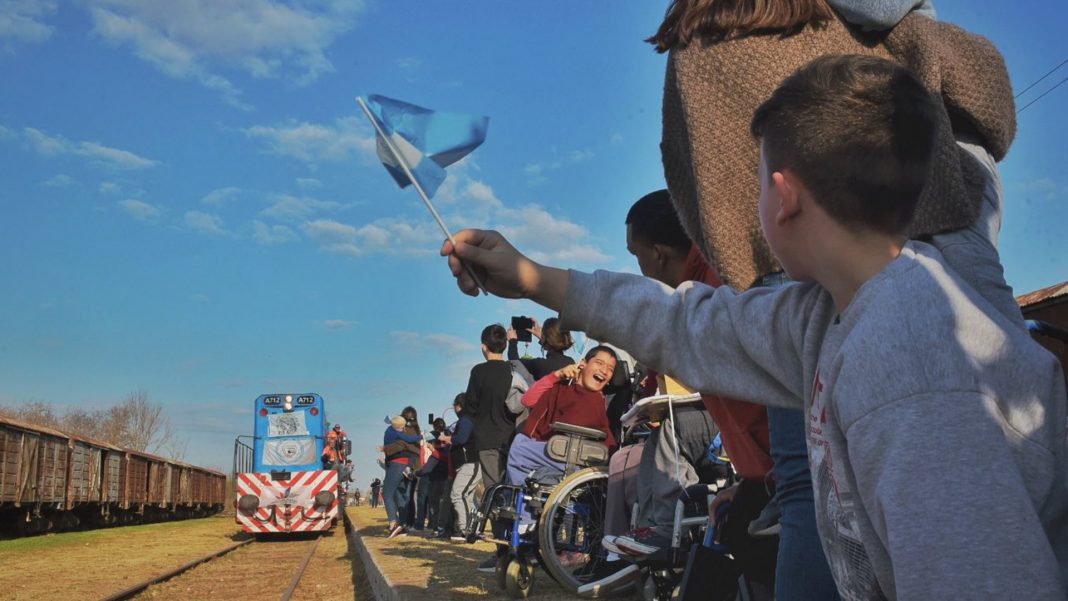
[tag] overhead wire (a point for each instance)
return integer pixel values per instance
(1041, 95)
(1037, 81)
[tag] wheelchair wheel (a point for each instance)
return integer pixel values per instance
(571, 526)
(519, 579)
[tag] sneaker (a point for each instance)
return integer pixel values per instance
(489, 566)
(642, 541)
(605, 574)
(609, 543)
(457, 538)
(767, 523)
(398, 530)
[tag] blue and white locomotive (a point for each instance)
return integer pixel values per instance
(280, 480)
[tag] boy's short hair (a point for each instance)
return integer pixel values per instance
(653, 219)
(397, 420)
(600, 348)
(858, 131)
(460, 400)
(495, 337)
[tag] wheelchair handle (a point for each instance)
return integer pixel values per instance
(697, 492)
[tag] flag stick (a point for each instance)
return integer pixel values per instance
(415, 182)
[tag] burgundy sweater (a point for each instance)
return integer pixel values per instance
(560, 401)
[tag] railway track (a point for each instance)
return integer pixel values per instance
(261, 567)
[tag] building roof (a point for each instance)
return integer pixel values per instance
(1045, 294)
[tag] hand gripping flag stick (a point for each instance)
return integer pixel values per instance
(401, 162)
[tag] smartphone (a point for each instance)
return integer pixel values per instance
(521, 325)
(430, 419)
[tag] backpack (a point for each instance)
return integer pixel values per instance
(521, 381)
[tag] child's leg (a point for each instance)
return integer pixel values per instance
(622, 476)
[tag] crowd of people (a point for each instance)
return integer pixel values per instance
(823, 269)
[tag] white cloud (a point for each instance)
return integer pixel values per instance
(338, 324)
(571, 157)
(7, 133)
(199, 298)
(220, 196)
(196, 39)
(308, 183)
(348, 137)
(293, 207)
(547, 238)
(205, 223)
(270, 235)
(140, 210)
(383, 236)
(109, 188)
(23, 21)
(616, 138)
(483, 194)
(409, 63)
(59, 181)
(49, 145)
(1044, 188)
(446, 344)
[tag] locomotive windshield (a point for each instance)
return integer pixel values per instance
(289, 432)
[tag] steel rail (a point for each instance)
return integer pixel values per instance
(137, 588)
(300, 571)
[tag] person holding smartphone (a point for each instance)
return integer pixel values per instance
(554, 341)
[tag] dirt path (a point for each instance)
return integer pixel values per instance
(429, 569)
(264, 569)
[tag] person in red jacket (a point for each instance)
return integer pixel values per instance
(572, 395)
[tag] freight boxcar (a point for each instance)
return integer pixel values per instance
(33, 474)
(50, 480)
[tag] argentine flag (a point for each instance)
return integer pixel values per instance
(426, 140)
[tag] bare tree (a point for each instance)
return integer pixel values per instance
(135, 423)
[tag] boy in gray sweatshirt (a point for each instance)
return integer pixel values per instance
(937, 435)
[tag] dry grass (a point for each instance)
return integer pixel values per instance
(427, 569)
(96, 563)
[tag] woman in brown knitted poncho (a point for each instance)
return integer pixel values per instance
(725, 58)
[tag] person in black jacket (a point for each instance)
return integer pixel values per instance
(487, 391)
(554, 341)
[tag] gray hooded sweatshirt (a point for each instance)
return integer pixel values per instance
(937, 427)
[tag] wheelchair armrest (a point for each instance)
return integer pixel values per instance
(590, 433)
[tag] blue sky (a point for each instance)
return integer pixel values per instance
(192, 207)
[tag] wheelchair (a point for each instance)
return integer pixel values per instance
(568, 509)
(660, 573)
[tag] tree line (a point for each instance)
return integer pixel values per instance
(135, 423)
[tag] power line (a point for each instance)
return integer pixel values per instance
(1035, 83)
(1041, 95)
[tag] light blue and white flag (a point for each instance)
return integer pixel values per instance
(426, 140)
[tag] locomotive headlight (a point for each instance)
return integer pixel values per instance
(248, 503)
(289, 402)
(324, 498)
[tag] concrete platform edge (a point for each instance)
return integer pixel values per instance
(381, 585)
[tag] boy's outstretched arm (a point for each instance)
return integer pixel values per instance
(504, 270)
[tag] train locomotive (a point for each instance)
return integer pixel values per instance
(281, 481)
